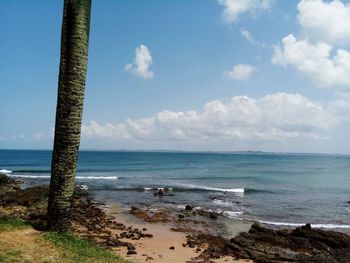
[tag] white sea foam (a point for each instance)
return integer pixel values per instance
(98, 177)
(222, 203)
(181, 207)
(328, 226)
(84, 187)
(233, 190)
(233, 214)
(4, 171)
(30, 176)
(77, 177)
(209, 188)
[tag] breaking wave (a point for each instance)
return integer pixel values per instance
(77, 177)
(214, 189)
(328, 226)
(4, 171)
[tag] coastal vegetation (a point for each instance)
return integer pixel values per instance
(19, 242)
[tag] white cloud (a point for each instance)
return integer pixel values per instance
(315, 61)
(142, 63)
(279, 116)
(246, 34)
(240, 72)
(326, 21)
(233, 9)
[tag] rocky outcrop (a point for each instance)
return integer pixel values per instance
(7, 185)
(89, 220)
(261, 244)
(303, 244)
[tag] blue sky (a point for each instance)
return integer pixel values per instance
(267, 75)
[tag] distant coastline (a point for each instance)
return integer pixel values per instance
(196, 152)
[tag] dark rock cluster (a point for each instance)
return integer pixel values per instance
(303, 244)
(29, 204)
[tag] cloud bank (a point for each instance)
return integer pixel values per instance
(275, 117)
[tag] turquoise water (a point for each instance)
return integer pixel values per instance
(280, 189)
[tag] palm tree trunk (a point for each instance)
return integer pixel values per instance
(71, 85)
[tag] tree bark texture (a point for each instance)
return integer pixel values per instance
(70, 101)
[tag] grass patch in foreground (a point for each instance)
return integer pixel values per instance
(19, 243)
(12, 224)
(75, 249)
(9, 256)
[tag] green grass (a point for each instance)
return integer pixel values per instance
(78, 250)
(12, 224)
(9, 256)
(51, 247)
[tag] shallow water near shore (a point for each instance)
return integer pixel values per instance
(276, 189)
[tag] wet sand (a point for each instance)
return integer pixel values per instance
(158, 249)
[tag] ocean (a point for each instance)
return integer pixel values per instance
(275, 189)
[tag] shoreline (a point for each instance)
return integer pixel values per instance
(169, 242)
(227, 204)
(228, 225)
(159, 236)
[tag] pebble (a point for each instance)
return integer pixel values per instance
(130, 246)
(131, 252)
(188, 207)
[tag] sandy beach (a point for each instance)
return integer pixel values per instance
(165, 246)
